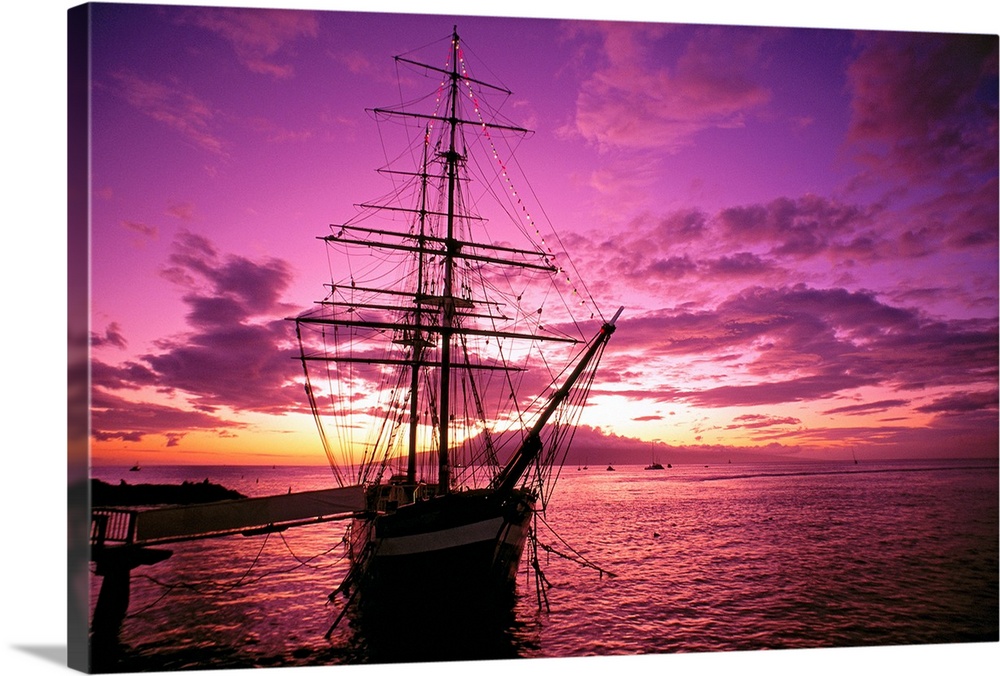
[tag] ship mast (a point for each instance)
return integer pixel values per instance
(435, 313)
(417, 339)
(448, 302)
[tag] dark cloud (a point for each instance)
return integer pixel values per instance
(925, 106)
(868, 407)
(113, 417)
(129, 375)
(112, 336)
(237, 355)
(795, 228)
(682, 226)
(958, 218)
(962, 402)
(239, 366)
(806, 388)
(673, 267)
(741, 265)
(798, 344)
(743, 244)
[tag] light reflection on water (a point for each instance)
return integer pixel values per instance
(731, 557)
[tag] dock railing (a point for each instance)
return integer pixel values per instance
(118, 526)
(112, 526)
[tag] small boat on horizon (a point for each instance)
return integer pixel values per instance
(653, 464)
(135, 468)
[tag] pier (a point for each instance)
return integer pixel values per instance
(124, 539)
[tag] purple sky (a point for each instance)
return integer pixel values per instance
(801, 223)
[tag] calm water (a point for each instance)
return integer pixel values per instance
(721, 558)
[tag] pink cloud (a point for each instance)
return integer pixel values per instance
(258, 35)
(182, 210)
(757, 421)
(174, 107)
(354, 60)
(276, 133)
(631, 101)
(141, 228)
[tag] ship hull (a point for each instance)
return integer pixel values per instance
(456, 547)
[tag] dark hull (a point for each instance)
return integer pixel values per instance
(463, 548)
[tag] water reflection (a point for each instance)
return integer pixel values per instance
(738, 558)
(424, 631)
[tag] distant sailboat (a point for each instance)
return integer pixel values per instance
(610, 468)
(653, 464)
(135, 468)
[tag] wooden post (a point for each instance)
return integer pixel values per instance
(115, 565)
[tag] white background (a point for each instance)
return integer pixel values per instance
(33, 311)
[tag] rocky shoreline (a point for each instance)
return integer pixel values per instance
(103, 494)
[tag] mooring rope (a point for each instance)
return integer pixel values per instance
(576, 557)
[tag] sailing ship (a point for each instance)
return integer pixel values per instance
(653, 464)
(417, 359)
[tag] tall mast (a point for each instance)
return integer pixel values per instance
(437, 312)
(417, 338)
(448, 305)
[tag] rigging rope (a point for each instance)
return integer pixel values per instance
(516, 198)
(210, 588)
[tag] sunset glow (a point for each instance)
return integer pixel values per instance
(802, 225)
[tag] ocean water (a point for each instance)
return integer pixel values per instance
(692, 559)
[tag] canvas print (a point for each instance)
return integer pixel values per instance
(407, 338)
